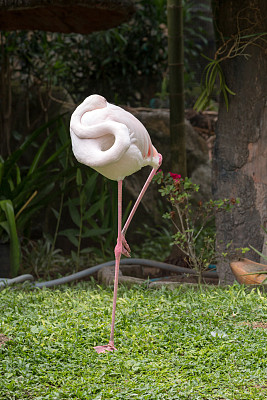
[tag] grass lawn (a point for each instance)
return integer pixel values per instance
(186, 344)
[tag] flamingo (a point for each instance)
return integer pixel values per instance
(112, 141)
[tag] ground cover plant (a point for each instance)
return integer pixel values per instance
(186, 344)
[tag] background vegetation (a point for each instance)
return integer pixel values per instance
(45, 186)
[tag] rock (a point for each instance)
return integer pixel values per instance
(157, 123)
(202, 177)
(140, 271)
(106, 277)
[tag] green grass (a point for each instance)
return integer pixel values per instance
(186, 344)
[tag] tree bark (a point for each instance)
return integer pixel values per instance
(5, 102)
(240, 154)
(176, 86)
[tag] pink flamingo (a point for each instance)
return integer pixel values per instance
(116, 144)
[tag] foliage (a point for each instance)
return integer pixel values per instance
(24, 190)
(8, 224)
(100, 62)
(27, 187)
(185, 344)
(195, 39)
(39, 255)
(54, 181)
(41, 259)
(261, 255)
(84, 211)
(35, 57)
(213, 73)
(245, 36)
(91, 202)
(192, 223)
(155, 242)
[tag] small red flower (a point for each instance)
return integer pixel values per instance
(175, 177)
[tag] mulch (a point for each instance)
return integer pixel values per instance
(3, 339)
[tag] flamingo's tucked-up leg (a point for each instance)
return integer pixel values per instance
(126, 249)
(118, 251)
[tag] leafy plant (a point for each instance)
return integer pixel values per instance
(235, 46)
(155, 242)
(24, 190)
(38, 257)
(195, 18)
(192, 223)
(8, 225)
(133, 53)
(83, 213)
(213, 73)
(41, 259)
(261, 255)
(94, 215)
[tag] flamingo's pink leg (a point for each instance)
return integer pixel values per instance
(118, 251)
(125, 248)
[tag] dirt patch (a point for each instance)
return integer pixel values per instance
(255, 325)
(3, 339)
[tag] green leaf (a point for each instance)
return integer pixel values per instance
(93, 210)
(18, 176)
(90, 185)
(258, 252)
(55, 212)
(229, 91)
(14, 157)
(94, 232)
(38, 155)
(55, 155)
(74, 213)
(7, 207)
(79, 180)
(71, 235)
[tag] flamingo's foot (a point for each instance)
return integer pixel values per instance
(126, 251)
(107, 347)
(122, 248)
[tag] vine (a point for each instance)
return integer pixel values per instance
(230, 48)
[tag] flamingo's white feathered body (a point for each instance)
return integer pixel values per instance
(110, 139)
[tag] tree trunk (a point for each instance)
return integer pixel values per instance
(176, 86)
(6, 101)
(240, 154)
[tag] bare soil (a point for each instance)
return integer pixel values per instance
(3, 339)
